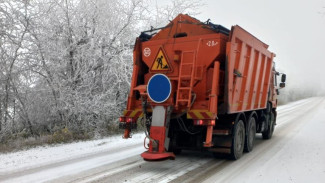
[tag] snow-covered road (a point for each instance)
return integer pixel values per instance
(296, 153)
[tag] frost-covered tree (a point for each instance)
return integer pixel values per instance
(68, 64)
(14, 22)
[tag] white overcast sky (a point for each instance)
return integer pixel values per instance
(294, 30)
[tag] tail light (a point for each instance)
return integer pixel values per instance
(204, 122)
(130, 120)
(127, 119)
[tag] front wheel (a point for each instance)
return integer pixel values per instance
(238, 140)
(269, 132)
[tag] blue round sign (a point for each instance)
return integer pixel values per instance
(159, 88)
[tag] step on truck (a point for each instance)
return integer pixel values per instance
(199, 86)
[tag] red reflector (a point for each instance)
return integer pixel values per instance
(198, 122)
(130, 120)
(122, 119)
(127, 119)
(204, 122)
(213, 122)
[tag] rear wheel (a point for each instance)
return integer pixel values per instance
(238, 140)
(173, 145)
(250, 135)
(271, 123)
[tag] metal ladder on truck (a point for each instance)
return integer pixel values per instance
(186, 78)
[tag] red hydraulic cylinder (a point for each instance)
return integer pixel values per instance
(213, 103)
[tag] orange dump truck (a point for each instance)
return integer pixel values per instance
(200, 86)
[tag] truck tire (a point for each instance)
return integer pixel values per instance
(271, 123)
(173, 145)
(250, 134)
(238, 140)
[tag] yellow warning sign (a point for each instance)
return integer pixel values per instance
(160, 63)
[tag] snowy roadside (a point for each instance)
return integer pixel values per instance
(48, 154)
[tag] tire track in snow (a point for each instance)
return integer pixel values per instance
(104, 173)
(161, 171)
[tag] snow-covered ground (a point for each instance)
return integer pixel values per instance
(296, 153)
(44, 155)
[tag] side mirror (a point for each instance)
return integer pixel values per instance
(283, 78)
(282, 85)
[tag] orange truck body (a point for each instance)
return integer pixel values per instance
(217, 77)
